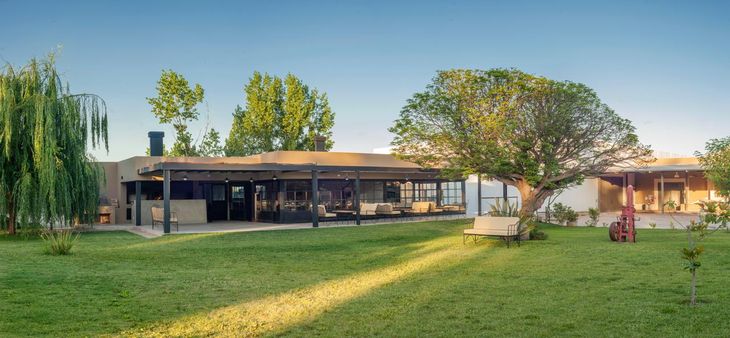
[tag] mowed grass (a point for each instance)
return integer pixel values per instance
(414, 279)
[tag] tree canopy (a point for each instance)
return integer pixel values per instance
(46, 174)
(530, 132)
(716, 163)
(176, 104)
(279, 115)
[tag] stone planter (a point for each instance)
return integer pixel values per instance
(571, 223)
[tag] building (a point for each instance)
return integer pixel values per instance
(274, 187)
(679, 179)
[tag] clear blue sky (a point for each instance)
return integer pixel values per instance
(665, 65)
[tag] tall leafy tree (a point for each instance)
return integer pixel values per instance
(211, 144)
(530, 132)
(176, 103)
(46, 174)
(279, 115)
(716, 163)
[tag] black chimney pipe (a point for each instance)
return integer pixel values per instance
(156, 145)
(320, 143)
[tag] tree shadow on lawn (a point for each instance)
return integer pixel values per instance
(528, 294)
(108, 287)
(278, 312)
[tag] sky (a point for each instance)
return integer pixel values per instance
(665, 65)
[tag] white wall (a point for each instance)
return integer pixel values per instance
(580, 198)
(489, 189)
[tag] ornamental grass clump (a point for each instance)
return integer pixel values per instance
(59, 242)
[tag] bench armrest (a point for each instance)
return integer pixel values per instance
(512, 229)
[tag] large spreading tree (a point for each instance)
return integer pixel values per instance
(279, 115)
(530, 132)
(46, 174)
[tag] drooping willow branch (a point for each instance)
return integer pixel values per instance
(46, 173)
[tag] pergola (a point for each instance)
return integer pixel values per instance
(167, 168)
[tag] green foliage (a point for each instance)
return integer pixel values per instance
(530, 132)
(279, 115)
(593, 214)
(502, 208)
(563, 213)
(713, 213)
(59, 242)
(537, 234)
(176, 104)
(46, 173)
(716, 164)
(211, 144)
(652, 225)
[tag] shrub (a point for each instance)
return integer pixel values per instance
(504, 209)
(593, 214)
(652, 225)
(564, 214)
(59, 242)
(537, 234)
(571, 215)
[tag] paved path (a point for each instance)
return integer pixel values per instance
(234, 226)
(646, 220)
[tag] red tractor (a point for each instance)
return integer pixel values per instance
(624, 230)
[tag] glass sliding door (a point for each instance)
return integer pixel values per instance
(238, 202)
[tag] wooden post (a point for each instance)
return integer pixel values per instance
(463, 192)
(479, 194)
(166, 202)
(138, 203)
(357, 197)
(504, 191)
(315, 198)
(661, 191)
(686, 190)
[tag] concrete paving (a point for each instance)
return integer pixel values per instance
(148, 231)
(646, 220)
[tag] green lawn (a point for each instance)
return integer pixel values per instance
(384, 280)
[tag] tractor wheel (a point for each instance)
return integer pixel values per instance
(613, 230)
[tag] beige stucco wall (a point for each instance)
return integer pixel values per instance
(188, 211)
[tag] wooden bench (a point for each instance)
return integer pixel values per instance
(505, 228)
(158, 216)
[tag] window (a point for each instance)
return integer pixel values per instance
(371, 192)
(426, 192)
(451, 193)
(218, 192)
(336, 195)
(298, 196)
(392, 192)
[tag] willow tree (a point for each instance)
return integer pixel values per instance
(536, 134)
(46, 174)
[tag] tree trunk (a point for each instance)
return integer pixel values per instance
(532, 200)
(693, 289)
(11, 216)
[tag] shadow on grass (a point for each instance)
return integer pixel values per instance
(279, 312)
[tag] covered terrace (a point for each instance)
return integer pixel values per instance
(282, 187)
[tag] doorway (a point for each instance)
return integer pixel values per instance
(217, 201)
(673, 191)
(239, 210)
